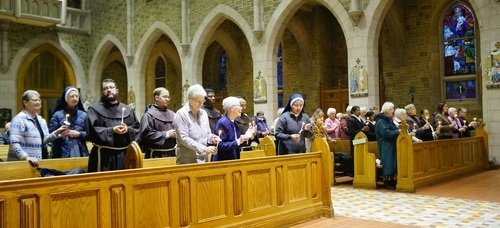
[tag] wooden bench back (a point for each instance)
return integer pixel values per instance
(252, 192)
(426, 163)
(340, 145)
(365, 153)
(4, 151)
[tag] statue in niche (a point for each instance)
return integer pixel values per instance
(89, 101)
(493, 68)
(359, 80)
(185, 88)
(260, 89)
(131, 98)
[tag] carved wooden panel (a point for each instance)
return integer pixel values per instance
(237, 193)
(30, 212)
(259, 189)
(297, 183)
(118, 213)
(280, 186)
(151, 201)
(185, 197)
(2, 214)
(211, 198)
(75, 209)
(315, 180)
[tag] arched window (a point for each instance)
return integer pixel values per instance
(459, 53)
(280, 75)
(222, 71)
(160, 73)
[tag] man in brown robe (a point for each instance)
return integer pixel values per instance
(111, 126)
(158, 137)
(243, 123)
(213, 114)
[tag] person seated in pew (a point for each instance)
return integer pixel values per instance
(462, 116)
(429, 133)
(399, 117)
(293, 127)
(443, 124)
(157, 133)
(458, 129)
(332, 124)
(343, 129)
(213, 114)
(387, 135)
(195, 140)
(231, 139)
(414, 125)
(29, 133)
(111, 126)
(69, 112)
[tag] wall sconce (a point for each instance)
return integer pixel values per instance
(356, 11)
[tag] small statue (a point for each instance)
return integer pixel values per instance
(318, 128)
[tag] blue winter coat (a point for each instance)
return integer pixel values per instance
(387, 134)
(62, 147)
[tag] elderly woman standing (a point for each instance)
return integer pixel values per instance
(387, 133)
(69, 113)
(193, 130)
(293, 127)
(332, 124)
(231, 139)
(28, 131)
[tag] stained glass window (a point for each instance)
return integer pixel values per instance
(459, 41)
(459, 52)
(280, 75)
(160, 73)
(222, 70)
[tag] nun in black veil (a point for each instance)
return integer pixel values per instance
(293, 127)
(69, 112)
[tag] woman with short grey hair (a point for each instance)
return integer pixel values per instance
(231, 138)
(29, 133)
(195, 140)
(387, 134)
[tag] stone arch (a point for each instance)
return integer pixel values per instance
(207, 27)
(145, 49)
(60, 45)
(97, 63)
(285, 11)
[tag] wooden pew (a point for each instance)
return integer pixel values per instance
(426, 163)
(260, 192)
(365, 153)
(134, 159)
(340, 145)
(4, 151)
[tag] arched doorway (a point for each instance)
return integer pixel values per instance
(164, 70)
(114, 68)
(47, 71)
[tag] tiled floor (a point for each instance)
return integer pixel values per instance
(472, 201)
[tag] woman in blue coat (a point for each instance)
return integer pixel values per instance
(387, 134)
(69, 112)
(227, 130)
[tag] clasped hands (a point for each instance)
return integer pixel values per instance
(120, 129)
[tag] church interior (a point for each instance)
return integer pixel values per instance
(335, 53)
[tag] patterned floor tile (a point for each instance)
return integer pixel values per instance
(413, 209)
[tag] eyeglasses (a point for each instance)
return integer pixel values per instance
(108, 87)
(36, 100)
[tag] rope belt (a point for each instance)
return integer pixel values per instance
(151, 151)
(99, 147)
